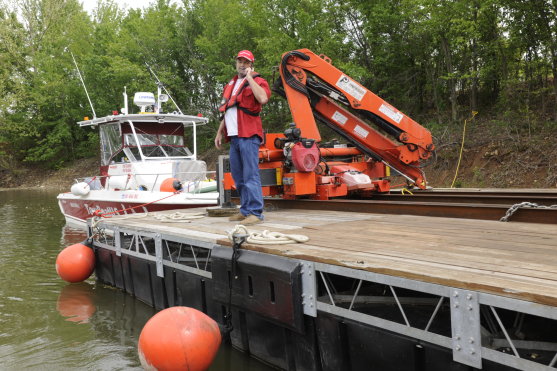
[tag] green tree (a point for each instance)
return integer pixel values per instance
(39, 123)
(533, 31)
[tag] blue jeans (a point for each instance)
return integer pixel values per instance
(244, 165)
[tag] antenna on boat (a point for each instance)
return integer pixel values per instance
(161, 85)
(125, 94)
(83, 83)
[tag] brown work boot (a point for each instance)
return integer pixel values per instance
(251, 220)
(237, 217)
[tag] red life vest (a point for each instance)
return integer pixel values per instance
(249, 121)
(227, 102)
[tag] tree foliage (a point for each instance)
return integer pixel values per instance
(437, 60)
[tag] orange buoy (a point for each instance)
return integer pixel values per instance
(75, 263)
(75, 302)
(179, 338)
(171, 185)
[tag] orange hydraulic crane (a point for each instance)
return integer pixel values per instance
(296, 163)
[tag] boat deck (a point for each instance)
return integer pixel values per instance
(517, 260)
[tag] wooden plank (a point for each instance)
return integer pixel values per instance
(472, 243)
(493, 235)
(450, 253)
(450, 224)
(461, 259)
(395, 234)
(511, 259)
(496, 231)
(472, 225)
(448, 256)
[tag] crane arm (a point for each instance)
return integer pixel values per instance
(328, 100)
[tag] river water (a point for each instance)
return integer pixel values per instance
(48, 324)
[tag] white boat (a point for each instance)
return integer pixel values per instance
(148, 163)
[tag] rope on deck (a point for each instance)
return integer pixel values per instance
(267, 237)
(178, 217)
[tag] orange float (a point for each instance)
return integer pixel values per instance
(75, 263)
(179, 338)
(171, 185)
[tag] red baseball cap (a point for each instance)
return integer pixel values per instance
(246, 54)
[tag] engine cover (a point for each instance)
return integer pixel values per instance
(305, 159)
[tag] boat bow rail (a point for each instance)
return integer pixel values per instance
(161, 118)
(192, 182)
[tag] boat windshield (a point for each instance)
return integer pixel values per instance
(119, 144)
(157, 145)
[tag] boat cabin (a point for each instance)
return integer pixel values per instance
(139, 151)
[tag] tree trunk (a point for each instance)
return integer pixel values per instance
(554, 70)
(553, 50)
(433, 78)
(474, 87)
(451, 80)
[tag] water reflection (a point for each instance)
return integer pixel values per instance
(48, 324)
(75, 302)
(71, 235)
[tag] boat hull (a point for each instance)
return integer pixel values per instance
(77, 209)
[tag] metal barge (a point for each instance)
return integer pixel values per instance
(367, 292)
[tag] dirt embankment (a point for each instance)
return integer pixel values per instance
(62, 179)
(493, 157)
(496, 157)
(53, 179)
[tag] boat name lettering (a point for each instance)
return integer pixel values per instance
(91, 210)
(129, 196)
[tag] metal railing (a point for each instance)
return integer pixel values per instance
(133, 181)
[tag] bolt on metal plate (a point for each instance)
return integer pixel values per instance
(465, 326)
(309, 300)
(158, 255)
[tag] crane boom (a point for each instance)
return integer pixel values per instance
(306, 96)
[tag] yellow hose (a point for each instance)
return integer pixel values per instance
(474, 113)
(406, 190)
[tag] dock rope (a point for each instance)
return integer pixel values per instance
(514, 208)
(178, 217)
(266, 237)
(237, 241)
(96, 232)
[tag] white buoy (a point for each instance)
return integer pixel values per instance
(80, 189)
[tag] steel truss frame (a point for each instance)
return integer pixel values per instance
(470, 341)
(182, 253)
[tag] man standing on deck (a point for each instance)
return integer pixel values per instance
(241, 125)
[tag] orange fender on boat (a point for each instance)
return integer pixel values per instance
(179, 338)
(75, 263)
(171, 185)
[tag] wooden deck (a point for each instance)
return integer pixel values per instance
(513, 259)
